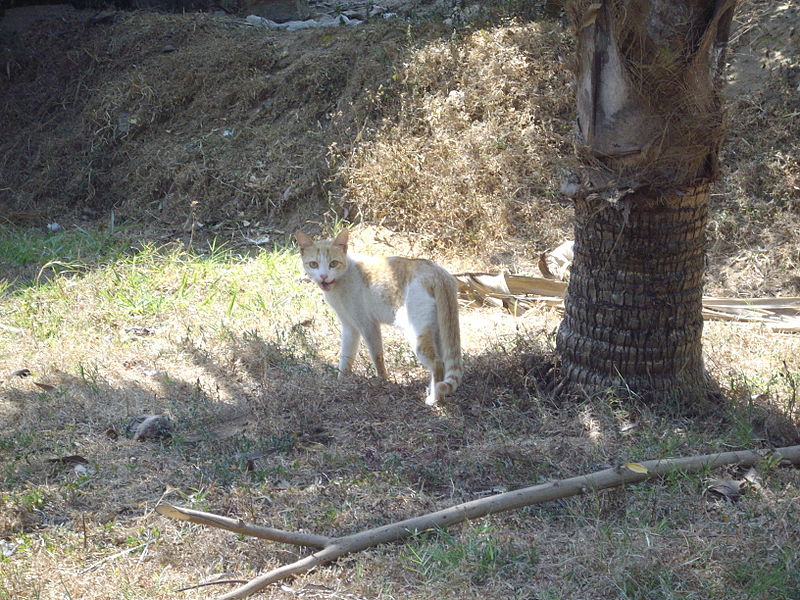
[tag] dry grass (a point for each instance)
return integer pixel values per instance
(240, 355)
(754, 220)
(458, 139)
(477, 149)
(235, 123)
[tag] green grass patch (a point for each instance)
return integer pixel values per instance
(125, 291)
(776, 578)
(438, 554)
(63, 250)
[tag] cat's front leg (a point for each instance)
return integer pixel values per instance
(374, 341)
(349, 348)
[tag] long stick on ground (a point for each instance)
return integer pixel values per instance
(333, 548)
(238, 526)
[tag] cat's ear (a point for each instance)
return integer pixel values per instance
(341, 239)
(303, 239)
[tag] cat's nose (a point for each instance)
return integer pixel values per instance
(323, 277)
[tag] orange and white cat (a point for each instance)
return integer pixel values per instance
(416, 295)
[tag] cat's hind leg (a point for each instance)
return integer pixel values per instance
(422, 332)
(426, 348)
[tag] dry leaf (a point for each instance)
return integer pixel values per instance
(45, 386)
(636, 467)
(727, 488)
(557, 262)
(752, 478)
(250, 459)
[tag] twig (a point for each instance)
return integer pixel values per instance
(112, 557)
(207, 583)
(238, 526)
(11, 329)
(334, 548)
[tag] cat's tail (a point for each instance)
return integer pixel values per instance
(446, 295)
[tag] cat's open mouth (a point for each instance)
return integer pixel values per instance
(326, 285)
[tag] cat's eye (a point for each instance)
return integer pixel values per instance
(334, 264)
(313, 264)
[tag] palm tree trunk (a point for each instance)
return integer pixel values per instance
(649, 129)
(633, 309)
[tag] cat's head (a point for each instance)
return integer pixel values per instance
(325, 261)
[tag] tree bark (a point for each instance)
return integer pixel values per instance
(650, 123)
(633, 311)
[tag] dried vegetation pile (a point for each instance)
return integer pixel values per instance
(460, 138)
(170, 117)
(755, 219)
(196, 118)
(479, 143)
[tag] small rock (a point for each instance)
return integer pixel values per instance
(256, 20)
(377, 10)
(7, 548)
(149, 427)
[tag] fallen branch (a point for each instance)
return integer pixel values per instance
(333, 548)
(518, 293)
(238, 526)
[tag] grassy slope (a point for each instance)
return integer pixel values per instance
(460, 138)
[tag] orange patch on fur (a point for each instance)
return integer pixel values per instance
(426, 345)
(438, 371)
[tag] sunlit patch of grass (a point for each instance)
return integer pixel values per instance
(25, 252)
(158, 284)
(25, 246)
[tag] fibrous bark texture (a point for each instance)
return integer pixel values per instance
(650, 123)
(634, 307)
(648, 88)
